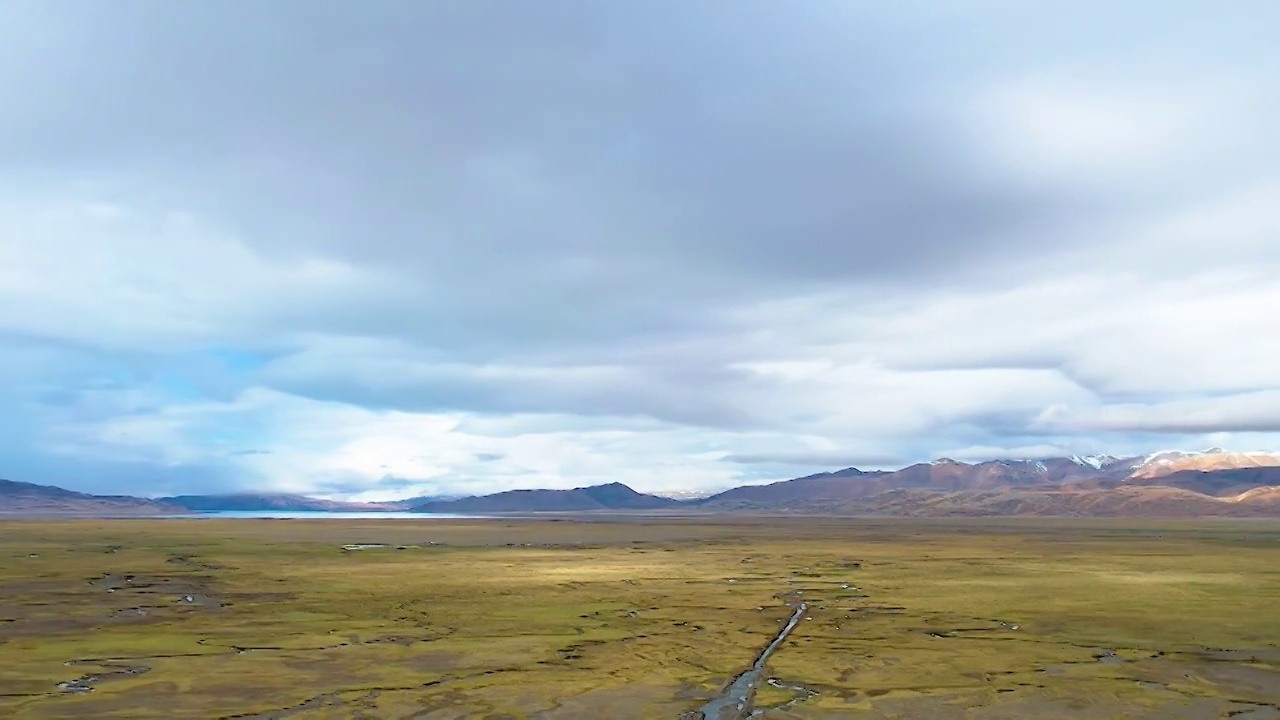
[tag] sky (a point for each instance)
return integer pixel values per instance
(400, 248)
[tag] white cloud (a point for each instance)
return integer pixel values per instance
(983, 453)
(1060, 243)
(1141, 126)
(1079, 127)
(301, 445)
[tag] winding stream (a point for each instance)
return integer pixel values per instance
(114, 669)
(735, 702)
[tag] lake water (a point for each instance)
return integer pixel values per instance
(315, 515)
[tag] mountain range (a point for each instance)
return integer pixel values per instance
(1171, 483)
(28, 498)
(1165, 484)
(612, 496)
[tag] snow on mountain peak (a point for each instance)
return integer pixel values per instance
(685, 494)
(1164, 457)
(1097, 462)
(1161, 457)
(1170, 461)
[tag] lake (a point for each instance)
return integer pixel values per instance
(317, 515)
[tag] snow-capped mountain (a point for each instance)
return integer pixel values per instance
(684, 494)
(1171, 461)
(1097, 462)
(1168, 457)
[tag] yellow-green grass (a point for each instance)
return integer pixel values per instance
(644, 618)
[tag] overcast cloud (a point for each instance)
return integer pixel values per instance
(387, 249)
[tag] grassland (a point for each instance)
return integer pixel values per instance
(638, 619)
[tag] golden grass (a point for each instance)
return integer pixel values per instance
(643, 619)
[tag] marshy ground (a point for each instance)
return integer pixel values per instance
(639, 618)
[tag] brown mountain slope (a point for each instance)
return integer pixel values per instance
(832, 486)
(1219, 483)
(1262, 497)
(1129, 501)
(1057, 486)
(944, 474)
(28, 498)
(613, 496)
(948, 474)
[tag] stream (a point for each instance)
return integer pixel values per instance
(736, 700)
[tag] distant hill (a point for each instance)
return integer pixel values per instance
(613, 496)
(1215, 483)
(685, 495)
(413, 502)
(1151, 501)
(1170, 483)
(942, 474)
(1151, 486)
(271, 501)
(830, 487)
(28, 498)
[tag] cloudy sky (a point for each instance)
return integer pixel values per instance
(384, 249)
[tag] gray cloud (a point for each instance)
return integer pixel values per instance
(572, 152)
(398, 377)
(1249, 412)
